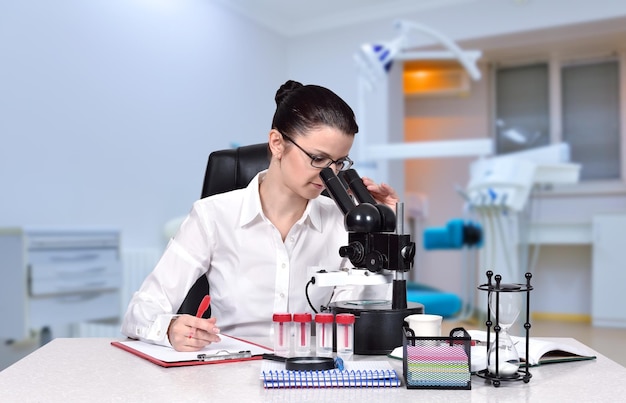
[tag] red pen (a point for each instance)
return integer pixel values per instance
(204, 305)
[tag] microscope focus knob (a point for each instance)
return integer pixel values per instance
(408, 252)
(354, 251)
(375, 261)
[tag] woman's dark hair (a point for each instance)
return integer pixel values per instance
(300, 108)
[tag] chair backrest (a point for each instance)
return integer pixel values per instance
(226, 170)
(234, 168)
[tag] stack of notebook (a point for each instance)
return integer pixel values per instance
(441, 366)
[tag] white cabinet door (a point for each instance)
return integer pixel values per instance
(55, 277)
(608, 274)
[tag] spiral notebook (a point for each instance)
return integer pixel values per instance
(356, 374)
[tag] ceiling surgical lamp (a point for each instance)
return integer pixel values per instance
(374, 60)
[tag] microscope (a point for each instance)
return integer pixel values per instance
(380, 252)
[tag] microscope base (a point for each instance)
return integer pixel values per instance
(377, 327)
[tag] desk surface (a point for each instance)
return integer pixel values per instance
(91, 370)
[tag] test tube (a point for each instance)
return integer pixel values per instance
(345, 335)
(302, 340)
(282, 334)
(324, 334)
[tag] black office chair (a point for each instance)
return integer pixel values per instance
(226, 170)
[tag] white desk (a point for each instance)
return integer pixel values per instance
(91, 370)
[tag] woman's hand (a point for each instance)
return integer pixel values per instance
(383, 193)
(189, 333)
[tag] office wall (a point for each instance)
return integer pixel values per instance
(109, 108)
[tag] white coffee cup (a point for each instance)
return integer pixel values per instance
(425, 325)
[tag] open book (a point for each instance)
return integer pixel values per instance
(541, 351)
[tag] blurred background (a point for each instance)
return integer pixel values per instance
(110, 108)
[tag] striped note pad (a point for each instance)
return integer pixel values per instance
(440, 366)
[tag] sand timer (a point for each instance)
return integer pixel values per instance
(505, 303)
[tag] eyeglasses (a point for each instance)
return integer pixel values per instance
(321, 162)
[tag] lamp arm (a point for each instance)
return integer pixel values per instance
(468, 62)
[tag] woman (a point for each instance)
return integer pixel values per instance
(258, 246)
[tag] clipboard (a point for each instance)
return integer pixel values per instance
(230, 349)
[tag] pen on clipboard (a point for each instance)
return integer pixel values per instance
(225, 355)
(204, 305)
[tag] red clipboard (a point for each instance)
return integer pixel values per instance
(230, 349)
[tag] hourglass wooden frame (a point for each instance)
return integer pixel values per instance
(493, 287)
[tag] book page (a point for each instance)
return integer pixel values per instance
(540, 351)
(543, 351)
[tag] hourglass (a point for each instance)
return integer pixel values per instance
(505, 302)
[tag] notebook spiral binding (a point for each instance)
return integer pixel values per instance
(437, 362)
(331, 378)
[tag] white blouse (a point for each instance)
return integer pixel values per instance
(252, 273)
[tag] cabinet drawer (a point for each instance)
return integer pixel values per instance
(73, 308)
(69, 256)
(74, 277)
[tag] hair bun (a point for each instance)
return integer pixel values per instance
(286, 89)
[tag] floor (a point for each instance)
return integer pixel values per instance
(609, 342)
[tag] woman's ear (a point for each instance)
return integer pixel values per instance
(276, 144)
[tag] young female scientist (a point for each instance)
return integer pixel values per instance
(256, 245)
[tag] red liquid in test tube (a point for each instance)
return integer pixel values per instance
(324, 334)
(282, 334)
(302, 329)
(345, 327)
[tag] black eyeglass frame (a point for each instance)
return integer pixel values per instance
(340, 163)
